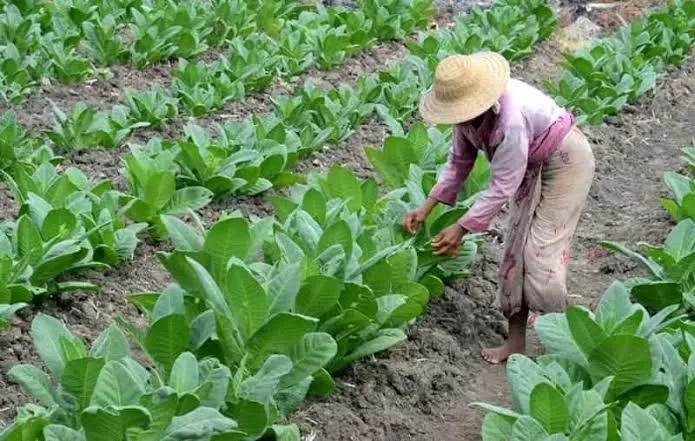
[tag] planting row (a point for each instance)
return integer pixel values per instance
(67, 41)
(625, 371)
(263, 310)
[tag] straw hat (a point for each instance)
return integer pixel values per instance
(465, 86)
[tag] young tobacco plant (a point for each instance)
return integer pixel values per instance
(66, 65)
(229, 19)
(220, 309)
(153, 38)
(152, 107)
(226, 166)
(408, 165)
(94, 204)
(151, 178)
(202, 88)
(191, 20)
(255, 62)
(392, 19)
(104, 393)
(682, 187)
(19, 73)
(103, 41)
(669, 266)
(86, 128)
(338, 110)
(20, 150)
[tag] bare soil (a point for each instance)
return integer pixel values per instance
(421, 389)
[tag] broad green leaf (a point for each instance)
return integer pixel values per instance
(337, 234)
(548, 408)
(202, 329)
(314, 203)
(278, 335)
(263, 386)
(117, 386)
(625, 357)
(528, 429)
(80, 379)
(59, 222)
(383, 340)
(167, 338)
(46, 332)
(183, 237)
(614, 306)
(496, 428)
(587, 333)
(657, 295)
(313, 353)
(56, 432)
(556, 336)
(250, 416)
(226, 239)
(523, 376)
(286, 433)
(184, 373)
(34, 382)
(638, 425)
(246, 298)
(169, 302)
(343, 185)
(317, 295)
(162, 405)
(102, 425)
(283, 288)
(193, 198)
(110, 345)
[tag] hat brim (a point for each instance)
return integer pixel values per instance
(435, 111)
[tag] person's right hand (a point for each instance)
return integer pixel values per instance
(413, 220)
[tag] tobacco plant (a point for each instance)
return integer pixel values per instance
(85, 128)
(220, 309)
(669, 266)
(104, 393)
(18, 149)
(151, 178)
(152, 107)
(103, 41)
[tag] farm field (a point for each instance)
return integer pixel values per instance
(266, 180)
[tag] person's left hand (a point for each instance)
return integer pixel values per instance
(448, 242)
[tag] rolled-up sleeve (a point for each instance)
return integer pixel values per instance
(508, 169)
(461, 159)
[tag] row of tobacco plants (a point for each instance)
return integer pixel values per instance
(67, 41)
(626, 371)
(264, 310)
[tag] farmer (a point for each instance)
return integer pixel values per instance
(537, 155)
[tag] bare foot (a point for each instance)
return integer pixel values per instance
(501, 354)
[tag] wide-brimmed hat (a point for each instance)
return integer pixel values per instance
(465, 86)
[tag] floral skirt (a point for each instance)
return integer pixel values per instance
(544, 216)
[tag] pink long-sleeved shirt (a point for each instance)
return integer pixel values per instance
(524, 127)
